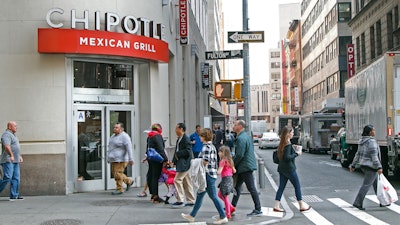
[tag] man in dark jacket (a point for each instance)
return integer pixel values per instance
(182, 157)
(245, 163)
(219, 137)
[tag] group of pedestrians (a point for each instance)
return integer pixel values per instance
(216, 161)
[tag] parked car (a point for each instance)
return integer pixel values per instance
(269, 140)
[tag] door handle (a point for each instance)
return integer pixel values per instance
(99, 151)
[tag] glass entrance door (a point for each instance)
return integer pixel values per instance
(93, 127)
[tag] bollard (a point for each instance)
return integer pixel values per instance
(261, 176)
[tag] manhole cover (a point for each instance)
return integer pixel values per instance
(307, 198)
(62, 222)
(114, 202)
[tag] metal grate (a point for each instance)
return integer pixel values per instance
(62, 222)
(307, 198)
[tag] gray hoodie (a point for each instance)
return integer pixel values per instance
(368, 153)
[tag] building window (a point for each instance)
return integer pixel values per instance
(344, 13)
(358, 49)
(276, 96)
(275, 65)
(343, 42)
(363, 57)
(275, 76)
(396, 17)
(275, 54)
(372, 41)
(378, 38)
(389, 21)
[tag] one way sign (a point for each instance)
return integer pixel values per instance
(245, 36)
(233, 54)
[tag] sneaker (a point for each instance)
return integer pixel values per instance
(189, 204)
(233, 210)
(19, 198)
(117, 192)
(221, 221)
(128, 186)
(255, 213)
(187, 217)
(177, 205)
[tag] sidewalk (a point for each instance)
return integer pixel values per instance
(100, 208)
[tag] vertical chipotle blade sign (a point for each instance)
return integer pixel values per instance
(183, 22)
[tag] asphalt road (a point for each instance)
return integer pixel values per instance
(330, 190)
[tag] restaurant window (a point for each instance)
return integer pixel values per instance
(103, 79)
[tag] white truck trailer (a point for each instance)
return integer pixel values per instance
(372, 96)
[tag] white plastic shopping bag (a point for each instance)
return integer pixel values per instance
(385, 192)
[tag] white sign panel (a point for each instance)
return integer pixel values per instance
(80, 116)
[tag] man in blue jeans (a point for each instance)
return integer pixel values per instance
(245, 164)
(10, 160)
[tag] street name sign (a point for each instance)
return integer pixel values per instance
(245, 36)
(233, 54)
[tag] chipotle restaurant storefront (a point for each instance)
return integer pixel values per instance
(72, 71)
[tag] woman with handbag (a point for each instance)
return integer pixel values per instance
(287, 169)
(155, 141)
(368, 156)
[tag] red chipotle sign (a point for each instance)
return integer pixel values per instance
(101, 43)
(183, 22)
(142, 38)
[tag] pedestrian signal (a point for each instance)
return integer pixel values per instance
(223, 89)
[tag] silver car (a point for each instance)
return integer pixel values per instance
(269, 140)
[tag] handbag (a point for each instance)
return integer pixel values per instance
(385, 192)
(275, 157)
(153, 155)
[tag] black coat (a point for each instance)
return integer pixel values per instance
(287, 164)
(157, 142)
(184, 155)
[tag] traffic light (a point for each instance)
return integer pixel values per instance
(237, 91)
(223, 89)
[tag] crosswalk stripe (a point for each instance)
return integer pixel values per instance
(356, 212)
(314, 216)
(393, 207)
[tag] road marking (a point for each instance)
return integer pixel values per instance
(393, 207)
(356, 212)
(270, 212)
(191, 223)
(330, 163)
(314, 216)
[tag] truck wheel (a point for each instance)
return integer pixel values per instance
(343, 162)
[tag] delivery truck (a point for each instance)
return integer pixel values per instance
(317, 129)
(372, 96)
(288, 120)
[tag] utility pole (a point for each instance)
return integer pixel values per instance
(246, 71)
